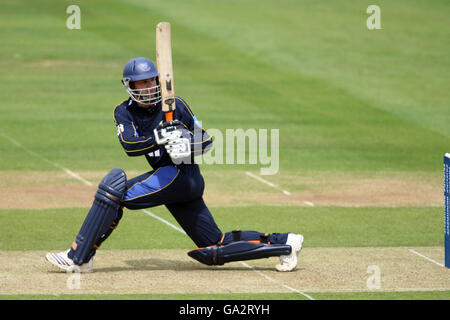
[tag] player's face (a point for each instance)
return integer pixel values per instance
(147, 87)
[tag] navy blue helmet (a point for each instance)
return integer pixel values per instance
(139, 69)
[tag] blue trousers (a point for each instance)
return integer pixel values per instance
(180, 188)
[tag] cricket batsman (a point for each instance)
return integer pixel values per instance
(174, 181)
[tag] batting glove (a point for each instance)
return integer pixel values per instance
(178, 148)
(168, 131)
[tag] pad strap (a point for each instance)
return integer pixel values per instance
(237, 235)
(264, 238)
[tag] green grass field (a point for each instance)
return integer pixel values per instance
(362, 115)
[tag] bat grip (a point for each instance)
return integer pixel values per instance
(169, 116)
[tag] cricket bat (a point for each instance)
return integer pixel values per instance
(165, 68)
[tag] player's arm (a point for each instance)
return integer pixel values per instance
(183, 138)
(132, 143)
(201, 142)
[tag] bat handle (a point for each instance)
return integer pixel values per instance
(169, 116)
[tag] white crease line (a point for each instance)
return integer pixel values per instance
(270, 184)
(425, 257)
(76, 176)
(260, 179)
(163, 221)
(267, 182)
(243, 263)
(37, 155)
(277, 282)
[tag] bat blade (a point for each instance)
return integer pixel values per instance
(165, 68)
